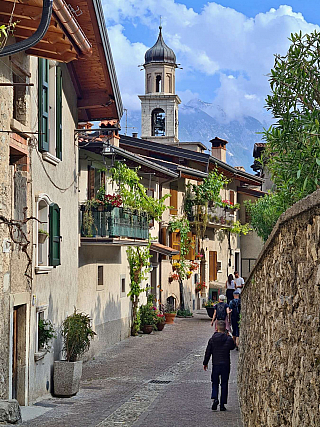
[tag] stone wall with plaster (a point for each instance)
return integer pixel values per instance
(279, 367)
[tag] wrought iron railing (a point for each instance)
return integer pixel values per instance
(114, 222)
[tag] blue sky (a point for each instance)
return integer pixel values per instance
(226, 47)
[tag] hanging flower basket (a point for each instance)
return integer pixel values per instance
(42, 236)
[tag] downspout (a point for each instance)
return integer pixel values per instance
(160, 261)
(36, 37)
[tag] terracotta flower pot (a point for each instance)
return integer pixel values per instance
(160, 326)
(147, 329)
(170, 317)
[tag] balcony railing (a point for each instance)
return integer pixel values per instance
(115, 222)
(221, 216)
(217, 216)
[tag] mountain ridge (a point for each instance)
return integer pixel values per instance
(200, 121)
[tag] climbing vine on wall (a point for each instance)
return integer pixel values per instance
(134, 194)
(139, 265)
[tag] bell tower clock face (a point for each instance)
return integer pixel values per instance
(159, 104)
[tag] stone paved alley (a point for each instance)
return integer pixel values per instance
(116, 388)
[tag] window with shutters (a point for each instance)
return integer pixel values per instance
(231, 197)
(50, 110)
(43, 104)
(174, 198)
(96, 179)
(213, 266)
(59, 113)
(54, 235)
(175, 244)
(48, 234)
(191, 256)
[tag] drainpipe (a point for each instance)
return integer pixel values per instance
(160, 261)
(36, 37)
(60, 8)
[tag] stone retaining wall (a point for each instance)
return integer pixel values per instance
(279, 366)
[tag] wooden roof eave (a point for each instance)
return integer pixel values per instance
(56, 44)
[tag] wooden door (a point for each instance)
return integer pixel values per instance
(212, 266)
(15, 354)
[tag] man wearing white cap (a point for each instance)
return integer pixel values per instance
(221, 312)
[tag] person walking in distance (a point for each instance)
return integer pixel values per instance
(221, 312)
(235, 306)
(238, 281)
(219, 347)
(230, 286)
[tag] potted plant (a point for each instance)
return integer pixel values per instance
(161, 320)
(170, 313)
(42, 235)
(148, 317)
(209, 306)
(76, 334)
(184, 313)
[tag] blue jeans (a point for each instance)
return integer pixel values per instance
(222, 371)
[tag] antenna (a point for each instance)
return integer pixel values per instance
(126, 126)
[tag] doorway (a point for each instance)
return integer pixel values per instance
(19, 354)
(237, 262)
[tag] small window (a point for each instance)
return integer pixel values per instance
(158, 83)
(219, 266)
(123, 285)
(100, 275)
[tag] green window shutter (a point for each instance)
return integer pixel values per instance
(59, 113)
(43, 104)
(54, 237)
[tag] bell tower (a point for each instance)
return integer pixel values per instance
(160, 104)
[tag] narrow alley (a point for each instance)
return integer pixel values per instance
(149, 380)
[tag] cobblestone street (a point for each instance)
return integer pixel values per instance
(153, 380)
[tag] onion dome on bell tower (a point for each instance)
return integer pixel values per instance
(159, 104)
(160, 52)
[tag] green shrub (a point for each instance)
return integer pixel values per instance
(76, 334)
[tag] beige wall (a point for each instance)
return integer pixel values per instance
(251, 244)
(57, 287)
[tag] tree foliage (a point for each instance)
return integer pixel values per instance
(134, 194)
(77, 334)
(139, 265)
(293, 142)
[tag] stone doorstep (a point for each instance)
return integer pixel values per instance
(10, 412)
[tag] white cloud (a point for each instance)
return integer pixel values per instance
(212, 41)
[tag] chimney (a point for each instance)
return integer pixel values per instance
(219, 149)
(135, 134)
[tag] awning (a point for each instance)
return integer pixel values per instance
(163, 250)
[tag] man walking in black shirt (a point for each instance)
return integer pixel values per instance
(219, 347)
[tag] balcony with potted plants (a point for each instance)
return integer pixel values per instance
(106, 217)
